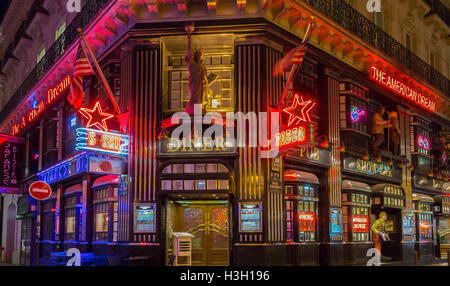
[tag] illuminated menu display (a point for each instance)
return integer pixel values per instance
(250, 217)
(144, 218)
(360, 223)
(306, 221)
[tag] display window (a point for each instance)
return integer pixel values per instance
(105, 208)
(72, 214)
(423, 208)
(301, 200)
(356, 211)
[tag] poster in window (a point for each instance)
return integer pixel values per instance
(250, 217)
(144, 218)
(70, 224)
(101, 222)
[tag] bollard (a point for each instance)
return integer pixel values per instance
(416, 257)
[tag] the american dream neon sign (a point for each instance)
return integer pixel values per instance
(101, 141)
(401, 88)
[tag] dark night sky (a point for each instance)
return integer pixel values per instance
(4, 4)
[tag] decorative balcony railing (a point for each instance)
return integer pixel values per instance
(352, 20)
(88, 12)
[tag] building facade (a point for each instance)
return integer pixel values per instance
(122, 195)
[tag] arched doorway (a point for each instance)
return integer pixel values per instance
(10, 233)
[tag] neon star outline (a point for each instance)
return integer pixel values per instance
(294, 112)
(87, 113)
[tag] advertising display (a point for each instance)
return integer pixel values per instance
(10, 164)
(250, 217)
(144, 218)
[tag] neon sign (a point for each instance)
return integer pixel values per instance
(360, 223)
(291, 136)
(39, 106)
(423, 142)
(357, 113)
(96, 117)
(401, 88)
(100, 141)
(299, 111)
(306, 221)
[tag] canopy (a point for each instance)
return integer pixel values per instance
(106, 180)
(355, 186)
(299, 176)
(422, 197)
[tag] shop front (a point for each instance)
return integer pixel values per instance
(442, 218)
(356, 198)
(26, 213)
(424, 226)
(392, 200)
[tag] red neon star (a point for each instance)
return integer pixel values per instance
(96, 117)
(299, 110)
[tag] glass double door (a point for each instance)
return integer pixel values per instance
(208, 222)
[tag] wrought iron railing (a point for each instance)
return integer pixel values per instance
(88, 12)
(352, 20)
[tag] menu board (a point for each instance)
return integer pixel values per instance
(250, 217)
(144, 217)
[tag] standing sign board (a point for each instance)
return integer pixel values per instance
(10, 164)
(40, 190)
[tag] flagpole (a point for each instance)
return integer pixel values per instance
(102, 76)
(293, 71)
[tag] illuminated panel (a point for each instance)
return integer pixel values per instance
(306, 221)
(401, 88)
(423, 142)
(100, 141)
(357, 113)
(360, 223)
(290, 137)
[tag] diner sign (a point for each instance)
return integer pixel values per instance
(403, 89)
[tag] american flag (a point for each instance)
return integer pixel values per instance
(82, 68)
(295, 56)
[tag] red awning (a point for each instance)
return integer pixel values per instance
(106, 180)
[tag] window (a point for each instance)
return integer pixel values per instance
(356, 219)
(60, 39)
(377, 18)
(203, 176)
(218, 52)
(47, 220)
(105, 213)
(72, 212)
(41, 55)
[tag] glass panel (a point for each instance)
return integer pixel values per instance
(211, 184)
(178, 168)
(219, 221)
(177, 184)
(211, 168)
(189, 168)
(224, 184)
(200, 184)
(193, 219)
(200, 168)
(189, 185)
(300, 190)
(222, 169)
(167, 169)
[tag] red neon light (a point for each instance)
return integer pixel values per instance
(360, 223)
(96, 117)
(299, 110)
(401, 88)
(105, 141)
(290, 137)
(52, 95)
(307, 221)
(55, 92)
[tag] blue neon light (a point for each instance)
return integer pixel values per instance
(82, 142)
(72, 121)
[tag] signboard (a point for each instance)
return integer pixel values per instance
(67, 168)
(360, 223)
(144, 217)
(275, 180)
(40, 190)
(101, 141)
(10, 164)
(250, 219)
(404, 89)
(105, 165)
(372, 168)
(335, 221)
(203, 145)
